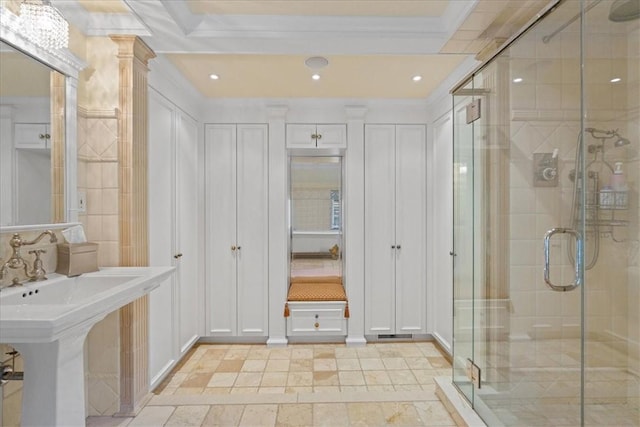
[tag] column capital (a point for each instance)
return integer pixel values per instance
(275, 112)
(133, 47)
(356, 112)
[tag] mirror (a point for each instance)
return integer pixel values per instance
(316, 216)
(31, 140)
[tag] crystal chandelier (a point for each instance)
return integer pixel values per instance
(42, 24)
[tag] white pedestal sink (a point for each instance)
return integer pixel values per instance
(47, 322)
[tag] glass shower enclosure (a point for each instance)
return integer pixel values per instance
(547, 222)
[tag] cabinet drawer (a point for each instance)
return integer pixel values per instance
(316, 318)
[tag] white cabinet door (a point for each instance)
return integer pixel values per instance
(411, 205)
(32, 135)
(173, 234)
(380, 253)
(331, 136)
(316, 136)
(252, 230)
(237, 229)
(220, 170)
(442, 287)
(395, 229)
(186, 253)
(301, 136)
(162, 313)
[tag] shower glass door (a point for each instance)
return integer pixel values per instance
(520, 205)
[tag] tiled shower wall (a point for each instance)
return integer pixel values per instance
(545, 116)
(98, 179)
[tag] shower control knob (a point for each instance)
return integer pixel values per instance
(549, 174)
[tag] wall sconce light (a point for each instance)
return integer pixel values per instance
(43, 24)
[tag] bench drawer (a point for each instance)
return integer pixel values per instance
(316, 318)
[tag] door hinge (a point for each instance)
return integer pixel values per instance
(473, 111)
(474, 373)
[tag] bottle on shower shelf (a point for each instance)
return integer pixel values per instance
(619, 186)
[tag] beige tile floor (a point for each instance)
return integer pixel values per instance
(300, 385)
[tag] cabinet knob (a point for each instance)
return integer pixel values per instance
(319, 136)
(233, 248)
(239, 248)
(176, 256)
(452, 253)
(393, 246)
(314, 136)
(41, 136)
(47, 136)
(317, 325)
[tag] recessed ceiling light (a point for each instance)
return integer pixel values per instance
(214, 76)
(517, 80)
(615, 80)
(416, 78)
(316, 77)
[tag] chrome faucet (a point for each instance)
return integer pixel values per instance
(16, 262)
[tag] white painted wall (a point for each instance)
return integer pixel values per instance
(354, 112)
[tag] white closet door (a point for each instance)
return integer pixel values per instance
(443, 237)
(379, 229)
(186, 155)
(252, 230)
(161, 300)
(410, 188)
(220, 153)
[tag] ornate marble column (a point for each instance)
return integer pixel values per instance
(133, 56)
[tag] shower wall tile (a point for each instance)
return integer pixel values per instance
(549, 97)
(570, 96)
(548, 72)
(548, 304)
(522, 278)
(571, 71)
(523, 226)
(523, 96)
(570, 304)
(521, 202)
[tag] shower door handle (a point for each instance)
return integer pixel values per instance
(578, 259)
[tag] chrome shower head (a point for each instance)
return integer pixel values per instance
(621, 141)
(602, 135)
(624, 10)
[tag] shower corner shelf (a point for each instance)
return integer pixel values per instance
(606, 207)
(608, 200)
